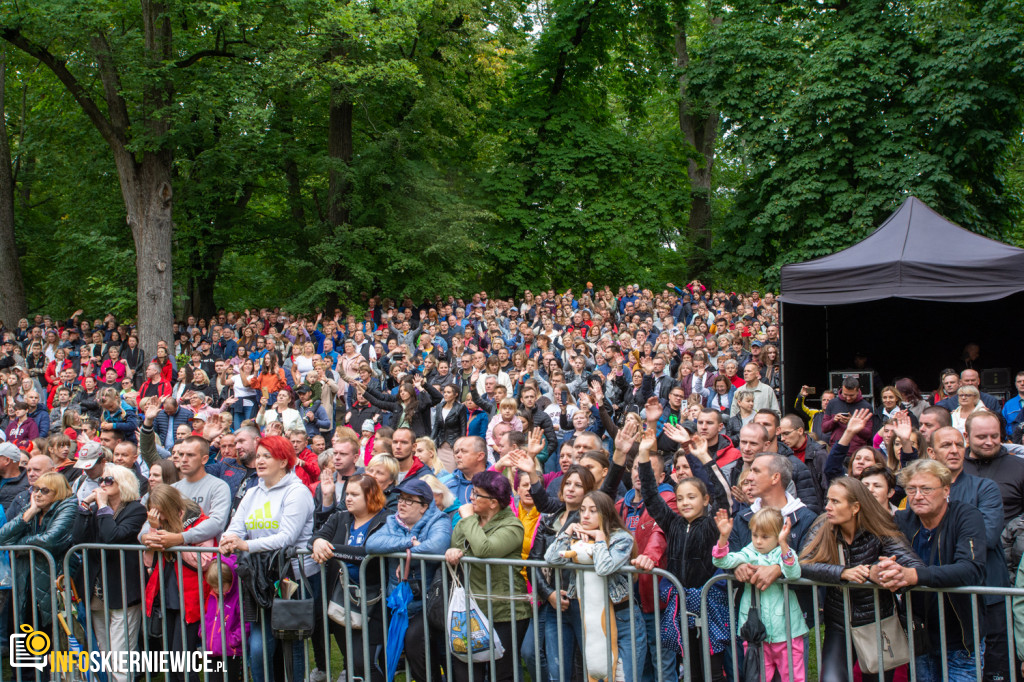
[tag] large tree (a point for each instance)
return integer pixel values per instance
(839, 110)
(12, 289)
(126, 68)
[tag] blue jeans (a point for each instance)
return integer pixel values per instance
(242, 413)
(532, 651)
(669, 664)
(262, 646)
(632, 639)
(960, 665)
(561, 658)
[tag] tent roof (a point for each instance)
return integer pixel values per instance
(916, 254)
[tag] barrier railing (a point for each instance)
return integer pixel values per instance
(972, 661)
(538, 637)
(127, 570)
(32, 572)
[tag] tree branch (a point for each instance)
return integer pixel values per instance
(192, 59)
(60, 70)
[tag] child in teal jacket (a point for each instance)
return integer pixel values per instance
(768, 547)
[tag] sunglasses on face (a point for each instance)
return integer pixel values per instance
(107, 480)
(41, 491)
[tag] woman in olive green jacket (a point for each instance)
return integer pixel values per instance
(489, 529)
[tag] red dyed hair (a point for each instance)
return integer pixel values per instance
(279, 448)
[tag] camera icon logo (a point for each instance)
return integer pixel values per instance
(29, 648)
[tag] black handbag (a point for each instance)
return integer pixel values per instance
(917, 631)
(293, 619)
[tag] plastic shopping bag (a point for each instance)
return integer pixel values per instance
(469, 633)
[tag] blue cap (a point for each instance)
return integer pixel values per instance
(418, 488)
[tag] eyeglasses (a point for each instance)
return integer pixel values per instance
(914, 490)
(411, 500)
(41, 491)
(107, 480)
(474, 495)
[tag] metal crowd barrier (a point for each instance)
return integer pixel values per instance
(92, 621)
(18, 590)
(813, 593)
(88, 620)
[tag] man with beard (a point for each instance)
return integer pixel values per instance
(240, 472)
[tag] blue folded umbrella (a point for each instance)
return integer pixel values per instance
(398, 602)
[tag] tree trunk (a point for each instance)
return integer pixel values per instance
(339, 150)
(699, 125)
(201, 285)
(146, 188)
(12, 288)
(145, 177)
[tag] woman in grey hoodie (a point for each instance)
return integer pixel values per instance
(275, 514)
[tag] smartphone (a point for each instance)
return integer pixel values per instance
(812, 390)
(565, 396)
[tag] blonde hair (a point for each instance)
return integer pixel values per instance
(57, 483)
(767, 520)
(509, 402)
(386, 462)
(441, 489)
(926, 466)
(127, 483)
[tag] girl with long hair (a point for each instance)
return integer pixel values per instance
(846, 543)
(600, 538)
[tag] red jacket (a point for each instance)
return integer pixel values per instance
(651, 542)
(727, 452)
(166, 370)
(193, 587)
(163, 389)
(309, 472)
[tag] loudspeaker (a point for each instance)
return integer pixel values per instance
(998, 377)
(836, 376)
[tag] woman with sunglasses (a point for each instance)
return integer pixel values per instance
(48, 524)
(112, 514)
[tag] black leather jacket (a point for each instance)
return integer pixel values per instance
(865, 550)
(547, 528)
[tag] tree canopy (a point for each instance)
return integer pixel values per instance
(308, 152)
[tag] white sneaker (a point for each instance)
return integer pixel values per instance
(317, 676)
(343, 677)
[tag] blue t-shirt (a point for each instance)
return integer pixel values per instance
(357, 538)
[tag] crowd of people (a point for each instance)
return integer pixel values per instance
(630, 430)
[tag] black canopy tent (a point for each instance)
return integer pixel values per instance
(910, 297)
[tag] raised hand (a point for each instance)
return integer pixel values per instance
(699, 448)
(523, 461)
(784, 533)
(535, 442)
(724, 523)
(653, 410)
(858, 420)
(678, 434)
(648, 442)
(739, 495)
(647, 365)
(626, 436)
(904, 428)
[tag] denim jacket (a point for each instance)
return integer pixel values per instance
(609, 559)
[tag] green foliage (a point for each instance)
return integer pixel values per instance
(839, 111)
(504, 145)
